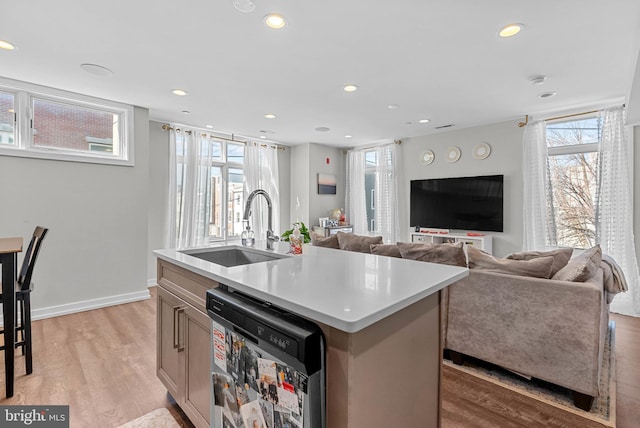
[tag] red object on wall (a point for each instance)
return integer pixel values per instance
(328, 160)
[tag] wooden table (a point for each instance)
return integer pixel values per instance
(9, 249)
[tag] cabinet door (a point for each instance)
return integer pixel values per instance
(168, 362)
(196, 352)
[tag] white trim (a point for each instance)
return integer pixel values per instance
(152, 282)
(87, 305)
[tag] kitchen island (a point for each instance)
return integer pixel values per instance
(380, 317)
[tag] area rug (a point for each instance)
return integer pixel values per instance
(603, 411)
(159, 418)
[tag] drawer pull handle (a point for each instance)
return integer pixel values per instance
(176, 326)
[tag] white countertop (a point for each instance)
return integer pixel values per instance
(343, 289)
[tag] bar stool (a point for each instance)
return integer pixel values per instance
(24, 287)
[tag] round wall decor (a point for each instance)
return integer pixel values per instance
(453, 154)
(481, 151)
(427, 157)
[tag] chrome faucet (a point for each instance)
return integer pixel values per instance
(271, 237)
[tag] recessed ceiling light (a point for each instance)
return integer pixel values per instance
(186, 112)
(96, 69)
(424, 121)
(275, 21)
(322, 129)
(179, 92)
(537, 80)
(510, 30)
(11, 110)
(393, 106)
(547, 95)
(7, 45)
(262, 136)
(348, 136)
(350, 88)
(270, 116)
(210, 126)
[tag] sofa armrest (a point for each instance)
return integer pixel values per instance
(548, 329)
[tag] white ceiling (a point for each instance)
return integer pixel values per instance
(440, 60)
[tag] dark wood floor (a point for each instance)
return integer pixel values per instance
(102, 363)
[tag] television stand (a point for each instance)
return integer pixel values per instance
(482, 242)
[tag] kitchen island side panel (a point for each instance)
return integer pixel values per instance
(387, 374)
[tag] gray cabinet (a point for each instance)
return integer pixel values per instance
(184, 340)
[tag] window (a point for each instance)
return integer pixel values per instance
(219, 196)
(7, 119)
(54, 124)
(370, 178)
(573, 171)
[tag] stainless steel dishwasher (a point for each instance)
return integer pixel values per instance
(267, 365)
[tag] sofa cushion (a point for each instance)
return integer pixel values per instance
(560, 256)
(359, 243)
(390, 250)
(320, 241)
(581, 267)
(539, 267)
(448, 254)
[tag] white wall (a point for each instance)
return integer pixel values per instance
(95, 252)
(505, 140)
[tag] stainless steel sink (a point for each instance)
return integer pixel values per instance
(234, 256)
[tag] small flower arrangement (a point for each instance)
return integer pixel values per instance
(303, 231)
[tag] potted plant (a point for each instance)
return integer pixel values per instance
(303, 230)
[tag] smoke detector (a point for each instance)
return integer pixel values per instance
(244, 5)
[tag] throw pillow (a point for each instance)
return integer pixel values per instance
(539, 267)
(359, 243)
(581, 267)
(389, 250)
(560, 256)
(448, 254)
(320, 241)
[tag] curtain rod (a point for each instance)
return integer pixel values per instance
(167, 127)
(566, 116)
(372, 147)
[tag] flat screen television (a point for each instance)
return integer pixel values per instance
(465, 203)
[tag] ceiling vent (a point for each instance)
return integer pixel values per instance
(445, 126)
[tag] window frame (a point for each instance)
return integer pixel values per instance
(24, 95)
(571, 149)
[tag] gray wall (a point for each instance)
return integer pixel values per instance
(95, 252)
(307, 161)
(158, 212)
(505, 140)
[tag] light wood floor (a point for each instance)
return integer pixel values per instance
(102, 363)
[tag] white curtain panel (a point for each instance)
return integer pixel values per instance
(538, 224)
(261, 172)
(356, 205)
(190, 212)
(615, 207)
(386, 194)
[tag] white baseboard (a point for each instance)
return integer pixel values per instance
(87, 305)
(152, 282)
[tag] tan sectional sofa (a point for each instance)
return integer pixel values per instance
(510, 313)
(548, 329)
